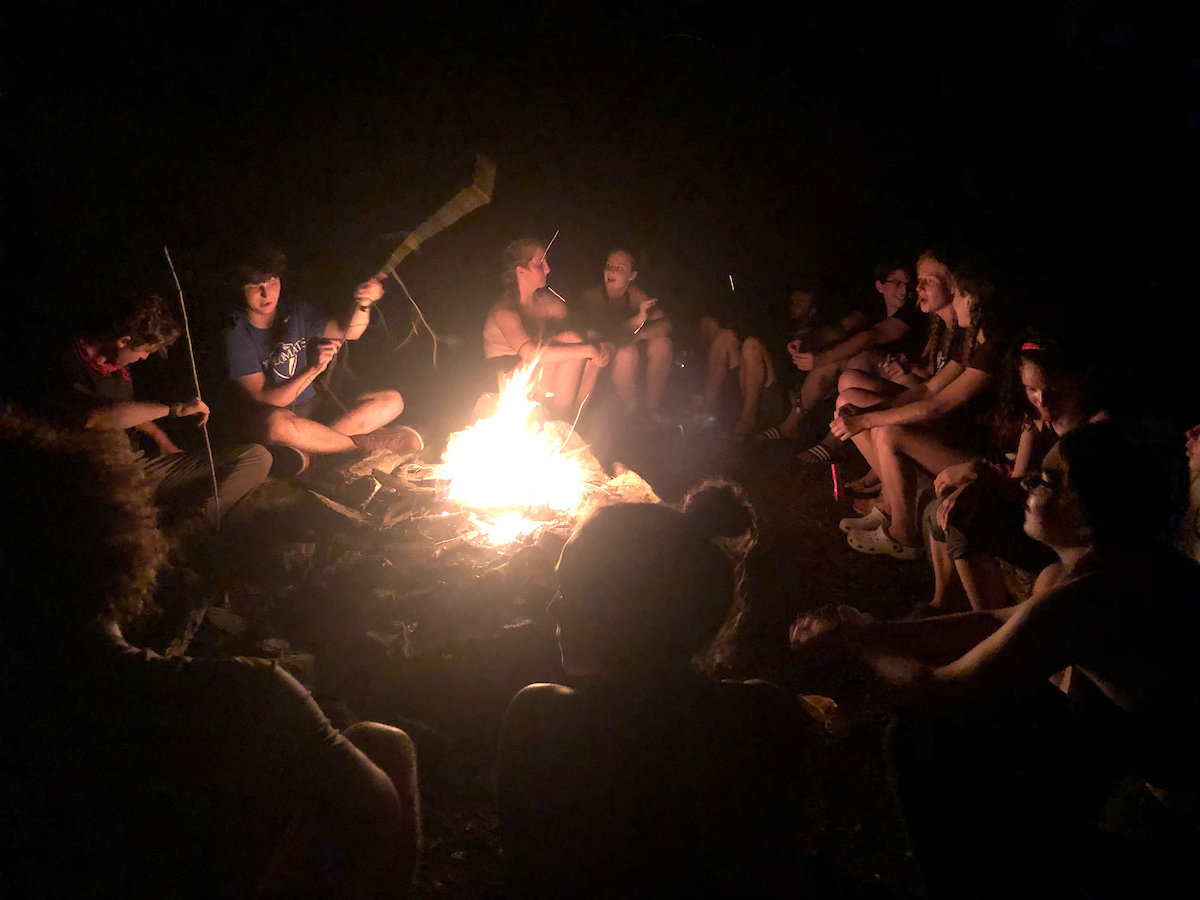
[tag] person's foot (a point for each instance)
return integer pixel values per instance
(771, 434)
(879, 542)
(400, 439)
(870, 521)
(815, 454)
(865, 486)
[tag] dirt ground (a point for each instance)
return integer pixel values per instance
(312, 587)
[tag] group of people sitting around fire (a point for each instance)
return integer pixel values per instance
(126, 771)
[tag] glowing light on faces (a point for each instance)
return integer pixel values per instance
(505, 464)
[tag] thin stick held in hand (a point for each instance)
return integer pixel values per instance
(420, 315)
(187, 334)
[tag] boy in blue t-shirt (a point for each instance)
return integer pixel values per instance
(276, 361)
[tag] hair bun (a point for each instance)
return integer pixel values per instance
(719, 509)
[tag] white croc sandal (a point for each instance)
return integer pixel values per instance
(878, 541)
(869, 522)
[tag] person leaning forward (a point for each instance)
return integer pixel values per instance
(275, 353)
(93, 389)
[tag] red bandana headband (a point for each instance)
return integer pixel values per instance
(87, 355)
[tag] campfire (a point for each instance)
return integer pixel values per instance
(512, 471)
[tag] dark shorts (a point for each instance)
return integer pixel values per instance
(495, 367)
(987, 520)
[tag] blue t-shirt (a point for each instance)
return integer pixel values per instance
(250, 350)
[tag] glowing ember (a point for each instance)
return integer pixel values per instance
(507, 462)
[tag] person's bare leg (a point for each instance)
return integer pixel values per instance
(392, 751)
(983, 581)
(926, 447)
(371, 411)
(286, 429)
(563, 380)
(817, 384)
(660, 353)
(898, 475)
(587, 385)
(752, 375)
(944, 573)
(624, 375)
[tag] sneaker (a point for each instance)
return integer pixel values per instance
(878, 541)
(869, 522)
(400, 439)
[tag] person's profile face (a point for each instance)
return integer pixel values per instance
(1055, 398)
(801, 304)
(578, 636)
(1193, 448)
(964, 308)
(538, 269)
(1053, 513)
(262, 297)
(894, 288)
(618, 272)
(933, 286)
(128, 352)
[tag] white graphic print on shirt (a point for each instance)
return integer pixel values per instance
(282, 360)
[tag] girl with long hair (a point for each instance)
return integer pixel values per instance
(528, 326)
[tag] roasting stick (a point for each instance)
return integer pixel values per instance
(187, 333)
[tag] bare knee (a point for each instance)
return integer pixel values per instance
(568, 337)
(660, 348)
(627, 357)
(752, 351)
(848, 380)
(890, 436)
(389, 401)
(280, 426)
(394, 402)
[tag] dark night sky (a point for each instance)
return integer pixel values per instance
(1057, 138)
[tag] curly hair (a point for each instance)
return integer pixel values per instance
(144, 318)
(82, 544)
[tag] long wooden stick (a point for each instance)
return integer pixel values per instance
(468, 199)
(187, 333)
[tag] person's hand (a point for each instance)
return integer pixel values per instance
(947, 506)
(368, 292)
(891, 369)
(955, 477)
(646, 306)
(805, 362)
(846, 427)
(827, 633)
(604, 353)
(166, 446)
(327, 349)
(195, 407)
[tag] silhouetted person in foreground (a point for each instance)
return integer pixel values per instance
(126, 774)
(649, 778)
(999, 776)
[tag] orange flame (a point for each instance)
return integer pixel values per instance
(506, 463)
